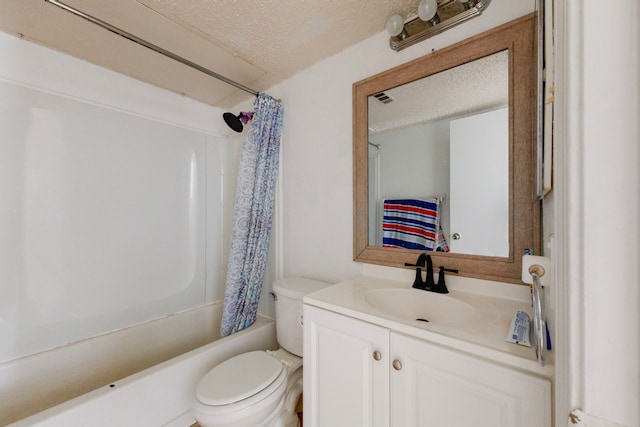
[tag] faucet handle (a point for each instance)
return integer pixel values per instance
(441, 286)
(417, 283)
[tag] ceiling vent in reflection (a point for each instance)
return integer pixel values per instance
(383, 97)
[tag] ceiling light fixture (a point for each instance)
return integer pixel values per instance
(434, 16)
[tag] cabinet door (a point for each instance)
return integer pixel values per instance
(346, 374)
(438, 387)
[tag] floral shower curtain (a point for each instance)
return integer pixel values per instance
(253, 212)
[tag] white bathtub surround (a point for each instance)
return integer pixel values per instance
(158, 396)
(33, 383)
(114, 211)
(104, 214)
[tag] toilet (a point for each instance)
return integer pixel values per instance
(260, 388)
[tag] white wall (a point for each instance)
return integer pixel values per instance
(316, 149)
(593, 210)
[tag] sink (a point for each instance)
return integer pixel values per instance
(411, 305)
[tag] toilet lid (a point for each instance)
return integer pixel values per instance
(238, 378)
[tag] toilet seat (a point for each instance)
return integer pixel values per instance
(239, 378)
(265, 396)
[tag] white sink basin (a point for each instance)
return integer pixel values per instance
(414, 305)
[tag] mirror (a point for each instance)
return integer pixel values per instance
(452, 136)
(457, 151)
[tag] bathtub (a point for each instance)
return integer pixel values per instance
(157, 396)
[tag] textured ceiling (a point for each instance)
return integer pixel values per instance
(282, 37)
(256, 43)
(475, 86)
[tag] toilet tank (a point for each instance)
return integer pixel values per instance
(289, 293)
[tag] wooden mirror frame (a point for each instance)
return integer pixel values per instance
(519, 38)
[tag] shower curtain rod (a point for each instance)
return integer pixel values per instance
(149, 45)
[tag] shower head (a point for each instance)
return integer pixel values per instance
(236, 122)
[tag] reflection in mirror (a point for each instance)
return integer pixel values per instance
(440, 143)
(457, 141)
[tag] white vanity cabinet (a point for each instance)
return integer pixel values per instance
(360, 374)
(436, 386)
(346, 372)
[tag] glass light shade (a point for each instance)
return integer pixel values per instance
(395, 25)
(427, 9)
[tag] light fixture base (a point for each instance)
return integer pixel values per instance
(450, 13)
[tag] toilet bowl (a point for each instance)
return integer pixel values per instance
(249, 390)
(260, 388)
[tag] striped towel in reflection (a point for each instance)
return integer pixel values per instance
(413, 224)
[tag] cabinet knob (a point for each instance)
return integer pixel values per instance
(397, 365)
(377, 355)
(456, 236)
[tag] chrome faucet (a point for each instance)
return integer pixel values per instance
(428, 285)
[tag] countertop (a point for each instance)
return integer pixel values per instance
(482, 337)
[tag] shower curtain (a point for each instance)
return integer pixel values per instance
(252, 215)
